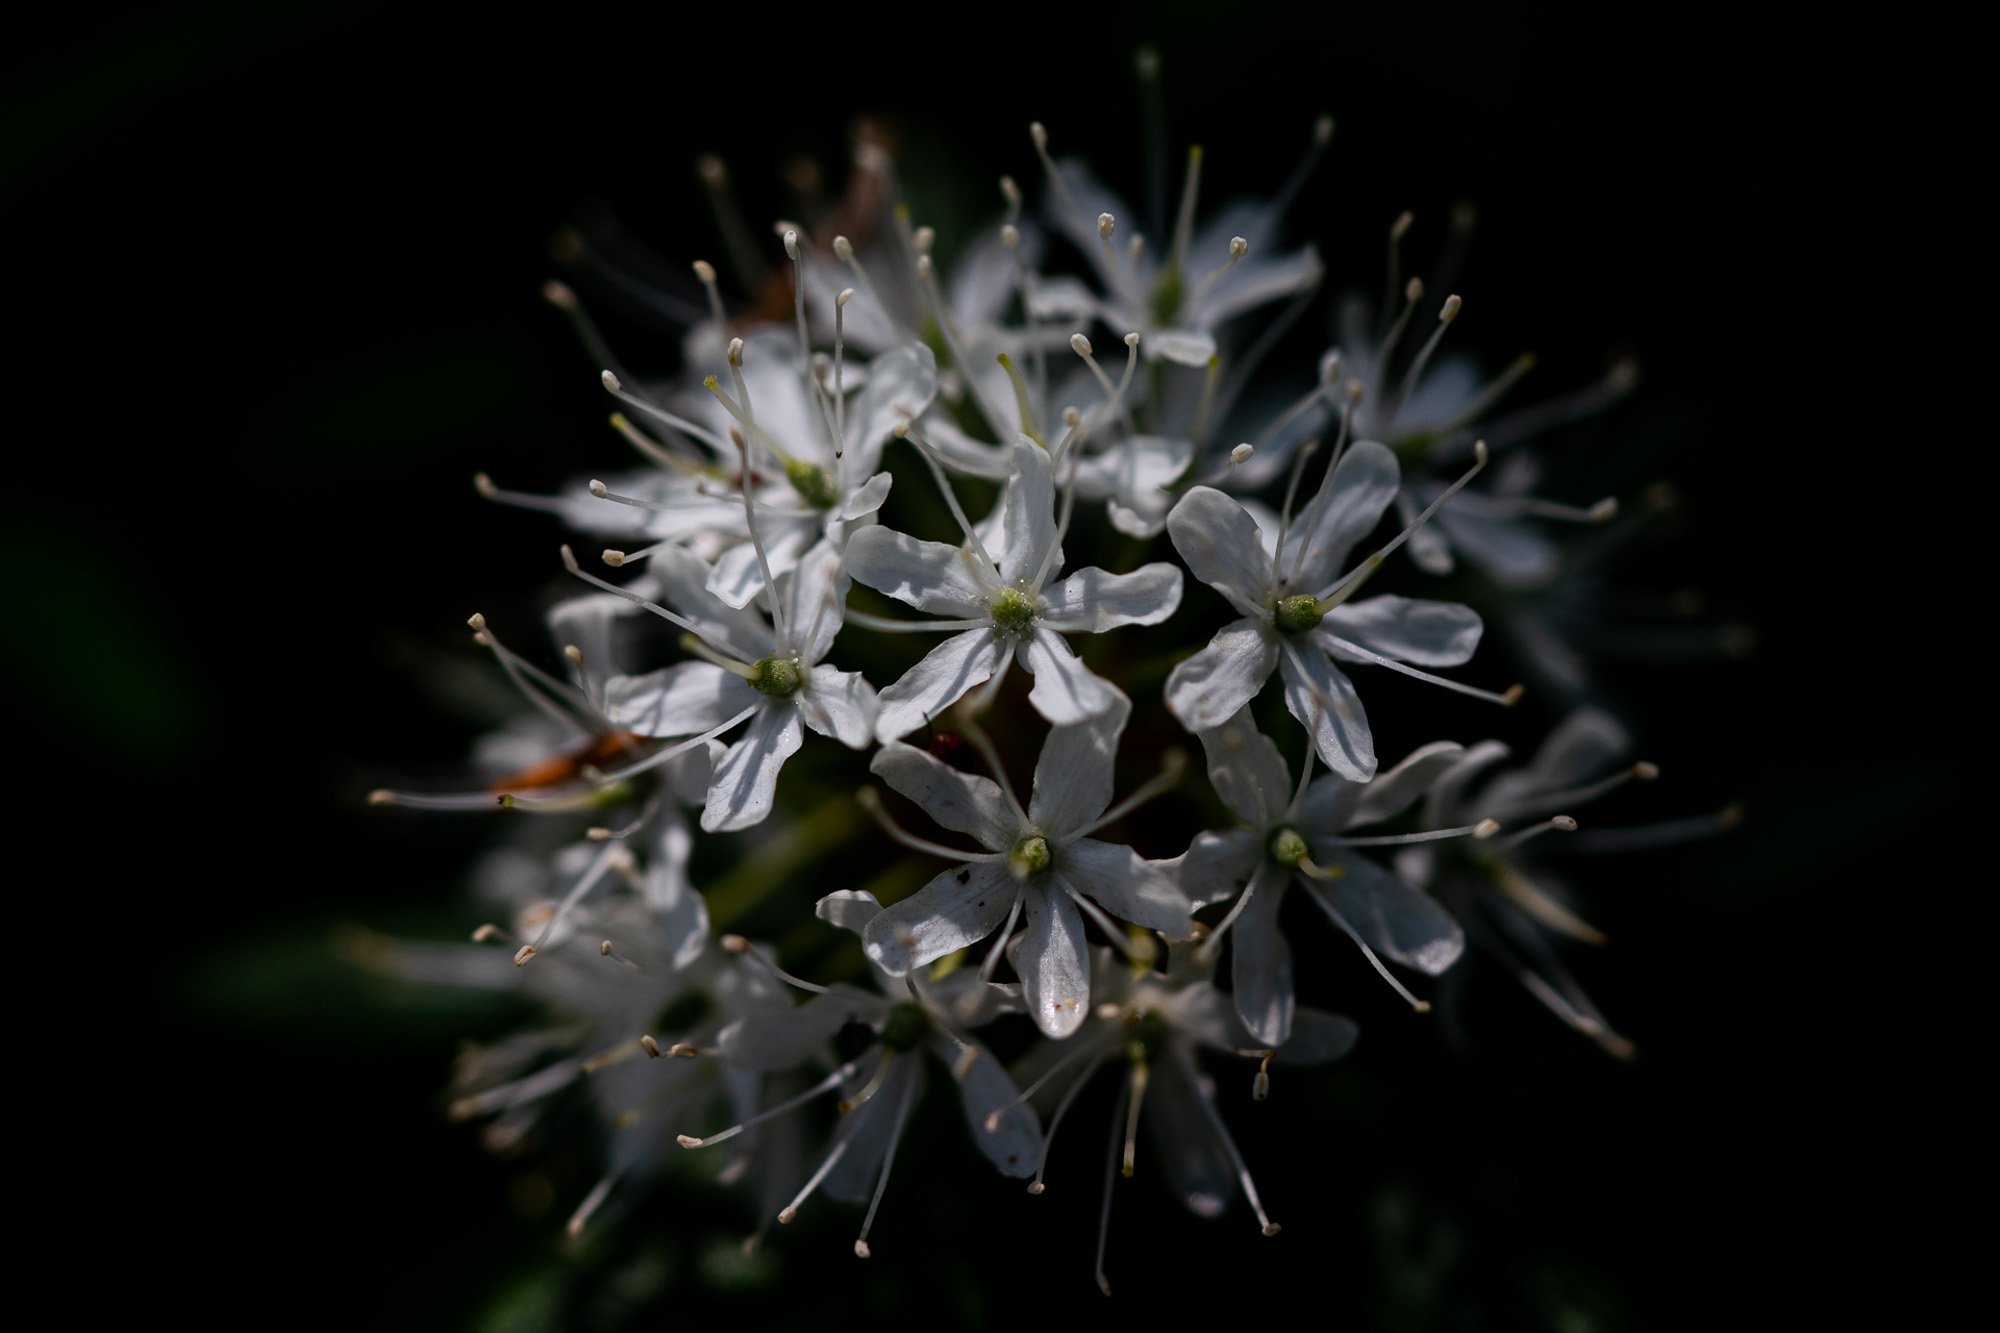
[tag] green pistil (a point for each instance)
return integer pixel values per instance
(1013, 610)
(778, 677)
(1029, 857)
(1297, 614)
(812, 483)
(905, 1028)
(1021, 399)
(1167, 295)
(1288, 848)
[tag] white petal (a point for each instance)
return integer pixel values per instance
(1015, 1145)
(1408, 629)
(1261, 964)
(873, 1129)
(1396, 920)
(943, 580)
(1184, 347)
(1061, 297)
(850, 909)
(1253, 282)
(1205, 690)
(676, 907)
(866, 498)
(840, 704)
(1347, 507)
(963, 802)
(1066, 691)
(679, 700)
(746, 782)
(1321, 696)
(1318, 1037)
(1218, 538)
(1198, 1167)
(940, 680)
(814, 596)
(901, 384)
(1247, 771)
(962, 453)
(1119, 880)
(1055, 970)
(1028, 504)
(1216, 866)
(1515, 555)
(1073, 774)
(738, 578)
(1091, 600)
(1393, 792)
(1585, 745)
(682, 578)
(962, 906)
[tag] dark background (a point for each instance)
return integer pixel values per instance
(281, 276)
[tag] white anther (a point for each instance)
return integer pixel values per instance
(559, 295)
(791, 244)
(843, 296)
(1106, 224)
(1241, 453)
(705, 272)
(652, 1047)
(843, 249)
(1238, 247)
(1079, 344)
(1010, 236)
(1038, 134)
(611, 381)
(1450, 311)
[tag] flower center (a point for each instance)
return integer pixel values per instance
(905, 1028)
(778, 677)
(1030, 856)
(812, 483)
(1013, 610)
(1288, 848)
(1298, 613)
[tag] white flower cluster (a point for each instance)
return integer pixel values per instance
(758, 511)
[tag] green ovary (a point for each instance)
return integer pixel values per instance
(1013, 610)
(777, 676)
(812, 483)
(1295, 615)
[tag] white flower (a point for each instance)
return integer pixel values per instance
(1180, 289)
(1039, 865)
(1004, 608)
(1298, 833)
(907, 1019)
(770, 674)
(1297, 616)
(1511, 904)
(1157, 1024)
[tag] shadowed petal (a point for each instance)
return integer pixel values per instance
(1055, 970)
(1261, 965)
(1219, 540)
(1408, 629)
(679, 700)
(1092, 601)
(1206, 690)
(962, 906)
(939, 681)
(1066, 691)
(1126, 885)
(746, 781)
(962, 802)
(1321, 696)
(1073, 774)
(840, 704)
(943, 580)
